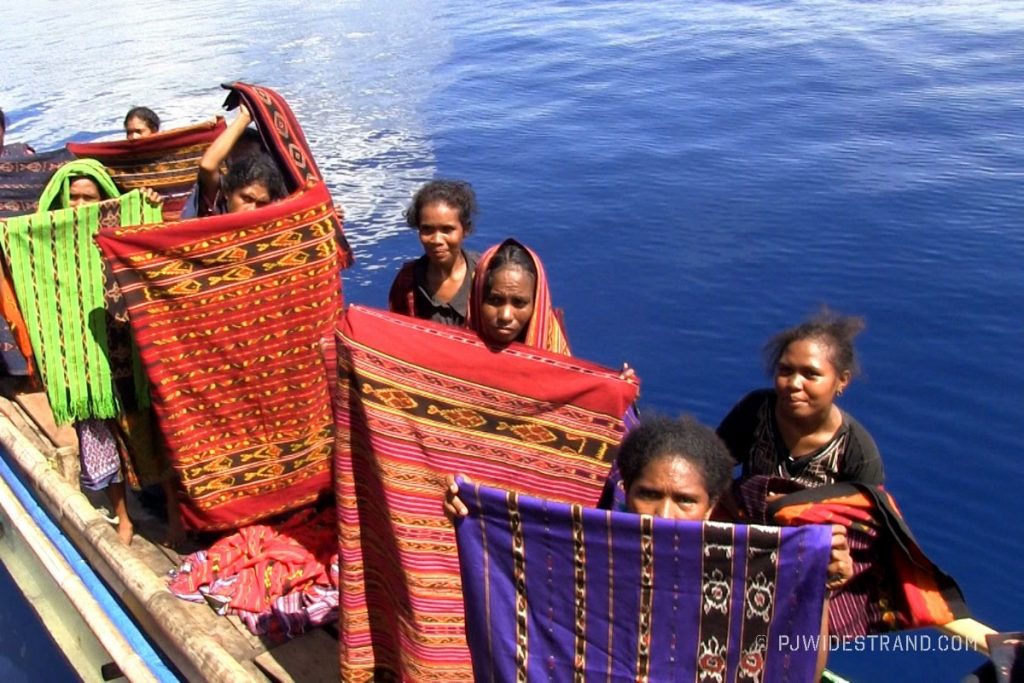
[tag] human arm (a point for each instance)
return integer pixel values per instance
(216, 153)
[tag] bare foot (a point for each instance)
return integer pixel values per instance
(125, 530)
(175, 530)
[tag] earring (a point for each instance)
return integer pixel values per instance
(839, 392)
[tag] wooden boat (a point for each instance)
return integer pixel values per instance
(195, 643)
(170, 638)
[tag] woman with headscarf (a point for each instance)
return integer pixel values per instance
(78, 322)
(511, 301)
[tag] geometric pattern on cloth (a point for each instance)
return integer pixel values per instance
(98, 455)
(283, 137)
(167, 162)
(22, 180)
(567, 593)
(894, 584)
(417, 401)
(59, 282)
(280, 580)
(230, 314)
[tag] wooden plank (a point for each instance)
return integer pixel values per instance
(312, 658)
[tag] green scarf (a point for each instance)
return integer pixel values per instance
(58, 279)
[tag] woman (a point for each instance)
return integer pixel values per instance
(235, 174)
(141, 122)
(511, 301)
(104, 443)
(14, 149)
(680, 470)
(795, 430)
(436, 286)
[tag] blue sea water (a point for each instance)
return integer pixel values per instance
(696, 176)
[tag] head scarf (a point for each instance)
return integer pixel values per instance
(545, 329)
(60, 183)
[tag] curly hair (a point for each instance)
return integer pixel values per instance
(144, 114)
(828, 327)
(660, 437)
(455, 193)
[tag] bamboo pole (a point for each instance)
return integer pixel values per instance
(198, 656)
(78, 594)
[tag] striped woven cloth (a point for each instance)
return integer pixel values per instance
(229, 313)
(167, 162)
(417, 401)
(22, 179)
(895, 585)
(566, 593)
(59, 281)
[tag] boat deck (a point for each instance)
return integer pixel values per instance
(200, 644)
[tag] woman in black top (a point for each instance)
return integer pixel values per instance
(795, 430)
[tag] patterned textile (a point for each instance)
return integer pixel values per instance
(166, 162)
(895, 586)
(416, 401)
(97, 453)
(58, 278)
(22, 179)
(545, 330)
(16, 149)
(283, 137)
(229, 313)
(15, 344)
(280, 580)
(566, 593)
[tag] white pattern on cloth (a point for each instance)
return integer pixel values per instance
(97, 452)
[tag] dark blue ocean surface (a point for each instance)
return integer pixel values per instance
(696, 176)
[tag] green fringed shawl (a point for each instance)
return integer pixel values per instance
(58, 279)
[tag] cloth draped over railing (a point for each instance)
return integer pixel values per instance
(166, 162)
(567, 593)
(416, 401)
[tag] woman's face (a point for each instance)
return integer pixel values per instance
(137, 128)
(672, 488)
(248, 198)
(441, 233)
(83, 191)
(806, 381)
(508, 305)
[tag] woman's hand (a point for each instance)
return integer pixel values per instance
(840, 565)
(151, 196)
(453, 505)
(627, 373)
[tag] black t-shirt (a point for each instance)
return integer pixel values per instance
(752, 436)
